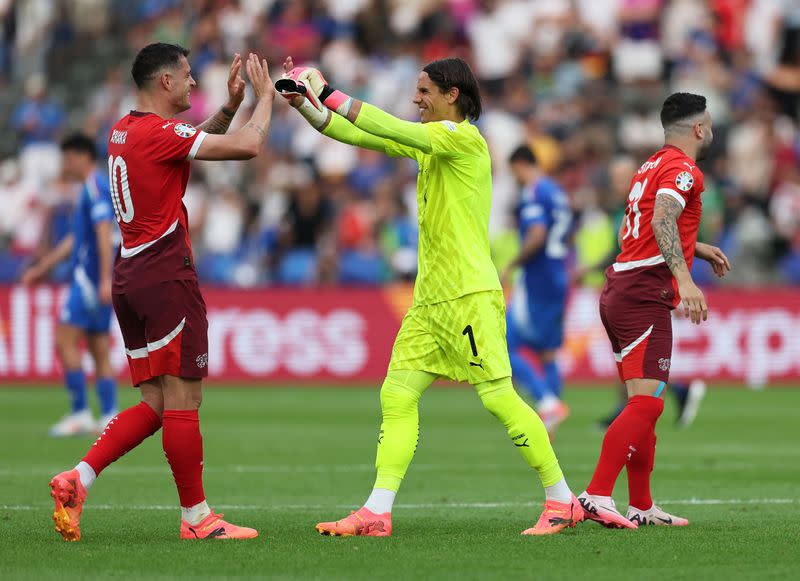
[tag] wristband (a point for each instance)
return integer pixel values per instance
(336, 100)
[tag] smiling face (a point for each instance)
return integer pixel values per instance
(434, 105)
(179, 82)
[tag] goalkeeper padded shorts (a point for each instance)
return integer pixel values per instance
(463, 339)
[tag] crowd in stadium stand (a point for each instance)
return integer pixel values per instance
(580, 81)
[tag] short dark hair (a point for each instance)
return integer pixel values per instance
(153, 58)
(523, 153)
(81, 143)
(455, 72)
(680, 106)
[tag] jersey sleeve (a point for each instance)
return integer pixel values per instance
(447, 138)
(679, 180)
(394, 149)
(533, 210)
(443, 138)
(100, 208)
(341, 130)
(404, 133)
(175, 141)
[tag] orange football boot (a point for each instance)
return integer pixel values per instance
(69, 495)
(556, 517)
(363, 523)
(213, 527)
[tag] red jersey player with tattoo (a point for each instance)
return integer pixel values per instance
(652, 275)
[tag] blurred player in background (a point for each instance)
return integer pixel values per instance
(86, 313)
(155, 293)
(658, 241)
(456, 325)
(536, 313)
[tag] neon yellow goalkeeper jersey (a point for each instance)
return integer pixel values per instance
(454, 198)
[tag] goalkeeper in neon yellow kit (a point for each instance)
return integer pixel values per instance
(456, 325)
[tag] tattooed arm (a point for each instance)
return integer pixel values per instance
(245, 143)
(665, 227)
(219, 122)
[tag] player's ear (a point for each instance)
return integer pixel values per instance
(166, 80)
(452, 95)
(697, 130)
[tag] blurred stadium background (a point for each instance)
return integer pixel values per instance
(307, 254)
(580, 81)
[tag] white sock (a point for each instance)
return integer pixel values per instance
(559, 492)
(194, 515)
(380, 501)
(87, 474)
(547, 403)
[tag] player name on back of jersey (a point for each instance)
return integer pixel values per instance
(119, 137)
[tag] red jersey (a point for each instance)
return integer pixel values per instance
(148, 164)
(669, 171)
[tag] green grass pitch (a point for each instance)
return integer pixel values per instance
(283, 459)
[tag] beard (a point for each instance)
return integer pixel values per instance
(704, 149)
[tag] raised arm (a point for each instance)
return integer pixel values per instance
(323, 120)
(340, 130)
(381, 124)
(364, 116)
(245, 143)
(220, 121)
(665, 228)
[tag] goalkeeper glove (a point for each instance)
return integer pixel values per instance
(315, 112)
(312, 78)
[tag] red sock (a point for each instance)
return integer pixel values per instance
(126, 431)
(639, 468)
(183, 446)
(624, 436)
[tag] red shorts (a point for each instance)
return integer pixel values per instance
(165, 330)
(641, 337)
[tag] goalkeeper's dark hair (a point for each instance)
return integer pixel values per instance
(680, 106)
(153, 58)
(81, 143)
(455, 72)
(523, 153)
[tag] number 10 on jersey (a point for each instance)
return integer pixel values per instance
(118, 177)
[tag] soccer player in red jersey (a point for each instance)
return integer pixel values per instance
(155, 292)
(658, 240)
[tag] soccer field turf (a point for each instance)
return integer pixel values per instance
(283, 459)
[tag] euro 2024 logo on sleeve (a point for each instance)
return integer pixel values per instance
(184, 130)
(684, 181)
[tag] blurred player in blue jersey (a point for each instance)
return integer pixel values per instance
(535, 316)
(86, 313)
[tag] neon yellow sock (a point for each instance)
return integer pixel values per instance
(525, 428)
(399, 433)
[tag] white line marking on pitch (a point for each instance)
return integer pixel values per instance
(411, 506)
(333, 468)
